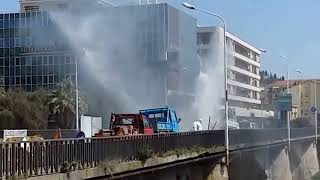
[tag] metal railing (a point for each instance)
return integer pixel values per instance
(52, 156)
(34, 158)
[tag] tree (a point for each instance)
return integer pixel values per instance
(63, 104)
(27, 110)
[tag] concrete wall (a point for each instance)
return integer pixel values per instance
(276, 163)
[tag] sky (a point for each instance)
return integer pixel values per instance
(284, 28)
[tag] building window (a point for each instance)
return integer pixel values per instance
(203, 38)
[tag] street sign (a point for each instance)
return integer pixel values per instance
(313, 109)
(284, 102)
(14, 133)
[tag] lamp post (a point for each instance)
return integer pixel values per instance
(288, 92)
(77, 96)
(189, 6)
(262, 111)
(315, 110)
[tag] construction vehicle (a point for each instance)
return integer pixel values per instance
(162, 119)
(149, 121)
(127, 124)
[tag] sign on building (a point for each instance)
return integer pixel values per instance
(284, 102)
(14, 133)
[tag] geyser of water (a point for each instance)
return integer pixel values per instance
(210, 87)
(113, 71)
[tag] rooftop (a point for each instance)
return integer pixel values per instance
(292, 82)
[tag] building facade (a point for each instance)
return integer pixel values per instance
(145, 53)
(304, 95)
(60, 5)
(32, 53)
(243, 72)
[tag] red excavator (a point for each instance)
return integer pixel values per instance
(127, 124)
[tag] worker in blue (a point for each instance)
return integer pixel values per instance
(81, 135)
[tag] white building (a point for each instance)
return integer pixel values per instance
(45, 5)
(243, 71)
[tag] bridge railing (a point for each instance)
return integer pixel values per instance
(52, 156)
(242, 138)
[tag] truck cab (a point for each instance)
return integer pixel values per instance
(162, 119)
(129, 124)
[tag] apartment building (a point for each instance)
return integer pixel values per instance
(304, 94)
(243, 71)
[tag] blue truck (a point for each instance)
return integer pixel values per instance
(162, 119)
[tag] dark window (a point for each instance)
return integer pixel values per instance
(18, 61)
(45, 79)
(23, 70)
(51, 69)
(39, 70)
(68, 60)
(6, 81)
(23, 80)
(39, 79)
(73, 68)
(34, 79)
(28, 60)
(12, 71)
(61, 59)
(56, 69)
(17, 80)
(12, 62)
(12, 52)
(1, 52)
(45, 70)
(34, 70)
(45, 60)
(6, 52)
(11, 80)
(39, 60)
(50, 60)
(61, 69)
(50, 79)
(23, 60)
(56, 79)
(67, 69)
(28, 88)
(6, 62)
(34, 60)
(28, 70)
(1, 62)
(18, 71)
(28, 79)
(56, 61)
(1, 71)
(203, 38)
(6, 71)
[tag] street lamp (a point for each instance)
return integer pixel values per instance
(315, 110)
(286, 60)
(189, 6)
(77, 96)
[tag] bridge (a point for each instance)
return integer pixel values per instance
(254, 154)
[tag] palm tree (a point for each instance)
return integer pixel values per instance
(63, 103)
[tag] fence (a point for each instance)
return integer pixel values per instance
(52, 156)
